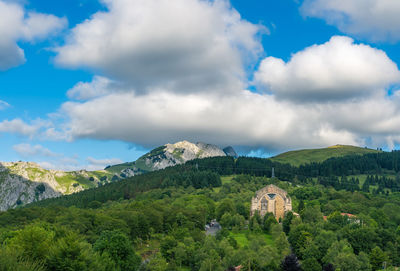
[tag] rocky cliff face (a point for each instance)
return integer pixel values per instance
(179, 153)
(22, 183)
(229, 151)
(170, 155)
(25, 182)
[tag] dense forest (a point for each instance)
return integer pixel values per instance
(349, 220)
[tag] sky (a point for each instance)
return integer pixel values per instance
(89, 83)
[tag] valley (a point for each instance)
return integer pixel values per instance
(157, 219)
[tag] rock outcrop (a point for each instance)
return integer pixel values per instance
(22, 183)
(171, 155)
(180, 153)
(26, 182)
(229, 151)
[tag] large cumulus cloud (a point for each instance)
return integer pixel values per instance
(184, 45)
(173, 70)
(326, 94)
(336, 70)
(245, 118)
(18, 25)
(376, 20)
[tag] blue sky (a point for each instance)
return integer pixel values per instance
(102, 82)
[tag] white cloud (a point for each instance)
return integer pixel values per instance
(29, 151)
(184, 45)
(65, 164)
(372, 19)
(54, 161)
(3, 105)
(336, 70)
(74, 164)
(102, 163)
(344, 81)
(17, 25)
(246, 119)
(20, 127)
(98, 87)
(58, 161)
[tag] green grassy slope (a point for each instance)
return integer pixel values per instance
(300, 157)
(139, 163)
(67, 181)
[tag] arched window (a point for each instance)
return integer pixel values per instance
(264, 204)
(271, 196)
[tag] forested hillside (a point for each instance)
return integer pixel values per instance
(156, 221)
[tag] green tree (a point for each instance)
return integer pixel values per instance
(180, 254)
(287, 220)
(167, 247)
(269, 220)
(299, 238)
(347, 262)
(70, 253)
(212, 262)
(324, 240)
(33, 242)
(226, 221)
(337, 247)
(268, 258)
(311, 250)
(157, 263)
(226, 206)
(301, 206)
(11, 260)
(291, 263)
(282, 245)
(377, 257)
(341, 255)
(311, 264)
(363, 259)
(117, 246)
(311, 214)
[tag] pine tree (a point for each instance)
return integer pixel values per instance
(291, 263)
(329, 267)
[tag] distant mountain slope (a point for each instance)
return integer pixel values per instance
(26, 182)
(297, 158)
(169, 155)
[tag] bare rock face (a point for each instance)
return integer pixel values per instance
(170, 155)
(229, 151)
(22, 183)
(179, 153)
(26, 182)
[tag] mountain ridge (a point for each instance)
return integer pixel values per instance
(169, 155)
(26, 182)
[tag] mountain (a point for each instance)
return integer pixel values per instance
(229, 151)
(169, 155)
(83, 228)
(26, 182)
(299, 157)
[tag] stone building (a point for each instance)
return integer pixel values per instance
(271, 199)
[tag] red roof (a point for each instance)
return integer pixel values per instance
(348, 215)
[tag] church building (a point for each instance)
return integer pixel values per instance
(271, 199)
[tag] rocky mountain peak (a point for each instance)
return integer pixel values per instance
(229, 151)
